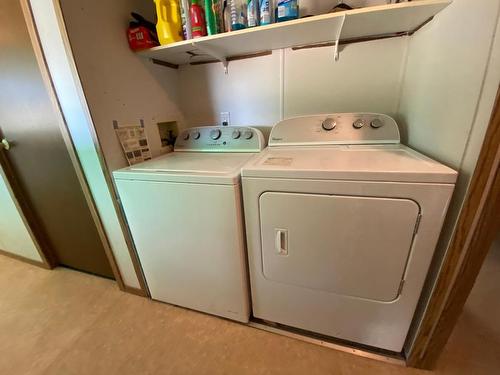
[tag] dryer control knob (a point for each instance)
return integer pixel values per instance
(215, 134)
(358, 124)
(376, 123)
(329, 124)
(185, 136)
(196, 134)
(248, 134)
(236, 134)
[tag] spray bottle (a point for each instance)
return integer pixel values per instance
(198, 27)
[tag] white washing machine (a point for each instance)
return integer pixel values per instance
(342, 221)
(184, 212)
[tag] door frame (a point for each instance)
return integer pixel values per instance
(477, 226)
(47, 254)
(108, 218)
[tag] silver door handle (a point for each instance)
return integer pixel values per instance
(5, 144)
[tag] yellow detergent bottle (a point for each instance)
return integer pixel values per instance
(169, 25)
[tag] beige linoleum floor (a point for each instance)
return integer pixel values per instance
(66, 322)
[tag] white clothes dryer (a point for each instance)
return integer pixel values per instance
(342, 221)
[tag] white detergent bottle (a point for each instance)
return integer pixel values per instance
(266, 12)
(253, 13)
(238, 14)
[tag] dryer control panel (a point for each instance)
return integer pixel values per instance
(335, 128)
(220, 139)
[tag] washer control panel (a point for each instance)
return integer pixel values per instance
(336, 128)
(220, 139)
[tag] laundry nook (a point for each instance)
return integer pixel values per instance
(249, 186)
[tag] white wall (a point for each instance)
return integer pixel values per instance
(15, 235)
(452, 76)
(251, 92)
(118, 84)
(261, 91)
(444, 76)
(366, 78)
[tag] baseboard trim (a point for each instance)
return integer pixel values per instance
(26, 260)
(136, 291)
(352, 349)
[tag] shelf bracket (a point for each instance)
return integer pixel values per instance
(337, 40)
(214, 53)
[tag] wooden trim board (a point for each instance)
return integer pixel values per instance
(331, 344)
(477, 225)
(234, 58)
(136, 291)
(26, 260)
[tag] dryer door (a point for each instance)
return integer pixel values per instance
(347, 245)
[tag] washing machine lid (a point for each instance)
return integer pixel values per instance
(194, 167)
(389, 162)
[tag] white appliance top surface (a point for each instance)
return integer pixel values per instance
(347, 146)
(206, 154)
(197, 162)
(202, 167)
(390, 162)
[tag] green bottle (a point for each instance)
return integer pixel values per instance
(211, 17)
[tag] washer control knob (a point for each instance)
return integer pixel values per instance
(195, 134)
(329, 124)
(185, 136)
(358, 124)
(376, 123)
(215, 134)
(248, 134)
(236, 134)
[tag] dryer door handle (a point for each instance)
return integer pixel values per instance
(281, 241)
